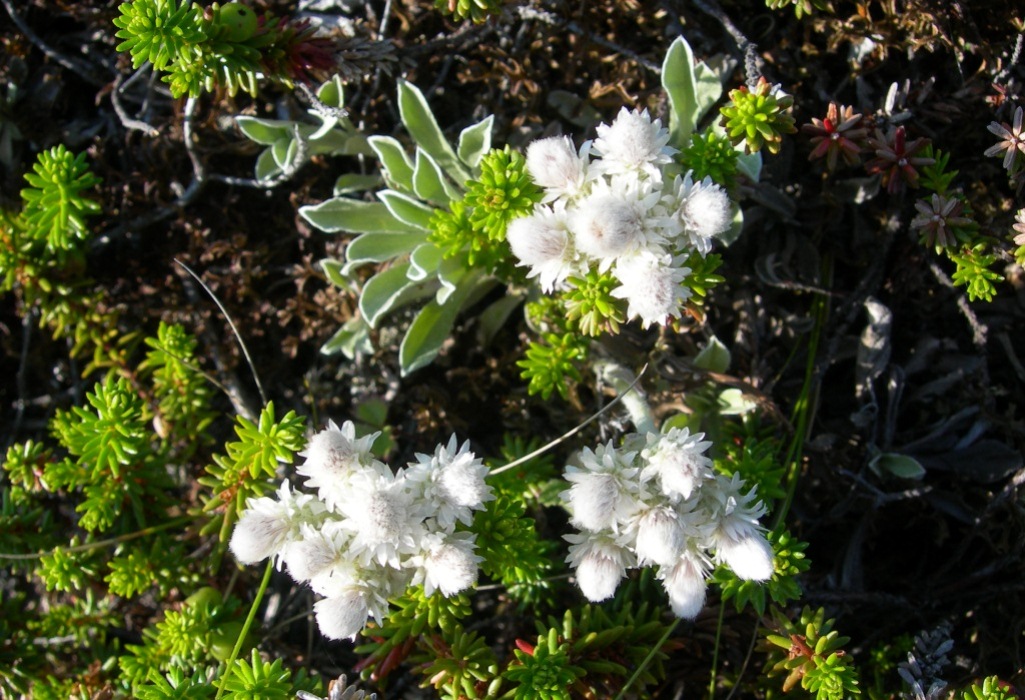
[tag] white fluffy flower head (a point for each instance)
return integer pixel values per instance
(704, 210)
(606, 226)
(652, 286)
(332, 456)
(267, 526)
(380, 513)
(600, 564)
(446, 563)
(659, 532)
(738, 537)
(678, 461)
(604, 493)
(684, 582)
(633, 143)
(554, 165)
(541, 241)
(451, 484)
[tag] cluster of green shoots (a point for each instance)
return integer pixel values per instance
(229, 46)
(43, 256)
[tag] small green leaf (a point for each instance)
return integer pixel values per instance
(398, 168)
(336, 275)
(354, 216)
(734, 402)
(264, 131)
(351, 183)
(266, 168)
(388, 290)
(424, 262)
(429, 183)
(420, 122)
(352, 338)
(406, 209)
(680, 85)
(332, 93)
(899, 465)
(714, 357)
(432, 326)
(749, 164)
(378, 247)
(284, 151)
(475, 141)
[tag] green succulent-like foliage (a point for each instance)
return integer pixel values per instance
(702, 277)
(533, 482)
(801, 7)
(991, 688)
(413, 615)
(513, 553)
(502, 192)
(788, 563)
(42, 258)
(934, 175)
(81, 622)
(711, 154)
(475, 226)
(758, 117)
(137, 568)
(752, 453)
(201, 633)
(55, 208)
(112, 459)
(553, 363)
(544, 671)
(452, 231)
(176, 684)
(810, 653)
(974, 272)
(591, 306)
(67, 570)
(606, 644)
(478, 11)
(205, 47)
(158, 31)
(248, 469)
(460, 666)
(263, 680)
(183, 395)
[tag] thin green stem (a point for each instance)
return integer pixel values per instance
(803, 409)
(104, 543)
(245, 628)
(647, 660)
(715, 650)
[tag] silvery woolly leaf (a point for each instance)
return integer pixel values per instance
(874, 348)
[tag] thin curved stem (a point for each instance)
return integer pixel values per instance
(103, 543)
(544, 448)
(245, 628)
(647, 660)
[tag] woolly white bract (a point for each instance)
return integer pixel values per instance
(369, 533)
(628, 209)
(661, 505)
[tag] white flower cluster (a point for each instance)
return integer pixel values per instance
(620, 211)
(657, 502)
(369, 533)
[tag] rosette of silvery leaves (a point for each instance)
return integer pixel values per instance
(616, 204)
(368, 533)
(656, 501)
